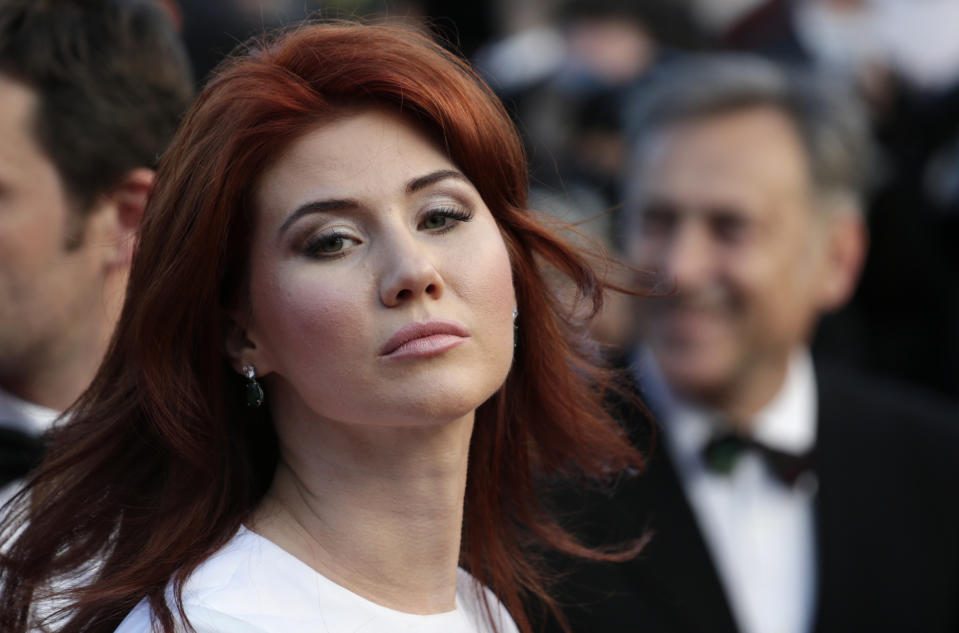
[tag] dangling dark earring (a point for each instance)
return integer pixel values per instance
(515, 328)
(252, 390)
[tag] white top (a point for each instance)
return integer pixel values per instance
(252, 585)
(760, 533)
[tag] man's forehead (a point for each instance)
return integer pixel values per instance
(737, 155)
(18, 94)
(18, 105)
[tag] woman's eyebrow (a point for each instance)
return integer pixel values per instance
(317, 206)
(421, 182)
(323, 206)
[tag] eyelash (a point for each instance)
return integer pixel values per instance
(461, 215)
(314, 244)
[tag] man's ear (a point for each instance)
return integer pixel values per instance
(847, 241)
(124, 205)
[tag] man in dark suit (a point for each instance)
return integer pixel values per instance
(780, 495)
(90, 94)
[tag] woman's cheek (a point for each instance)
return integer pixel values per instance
(492, 287)
(309, 320)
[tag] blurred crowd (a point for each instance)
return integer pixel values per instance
(570, 72)
(573, 73)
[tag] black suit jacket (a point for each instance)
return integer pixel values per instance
(887, 515)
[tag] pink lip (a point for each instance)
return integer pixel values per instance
(425, 339)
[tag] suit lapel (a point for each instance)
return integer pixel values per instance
(825, 460)
(846, 485)
(676, 566)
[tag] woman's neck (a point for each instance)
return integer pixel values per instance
(378, 510)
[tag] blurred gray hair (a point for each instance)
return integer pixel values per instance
(830, 119)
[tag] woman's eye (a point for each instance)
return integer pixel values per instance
(440, 220)
(435, 222)
(329, 245)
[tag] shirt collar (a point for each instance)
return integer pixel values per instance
(787, 422)
(25, 416)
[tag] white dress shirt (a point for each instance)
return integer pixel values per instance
(27, 417)
(252, 585)
(760, 533)
(21, 415)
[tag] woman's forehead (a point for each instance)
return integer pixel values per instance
(372, 152)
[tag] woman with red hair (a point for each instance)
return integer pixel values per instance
(339, 374)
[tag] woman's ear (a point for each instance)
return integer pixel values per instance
(240, 348)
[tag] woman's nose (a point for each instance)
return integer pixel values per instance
(409, 273)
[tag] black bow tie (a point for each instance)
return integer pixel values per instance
(19, 454)
(724, 449)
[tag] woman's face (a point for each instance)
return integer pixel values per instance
(380, 287)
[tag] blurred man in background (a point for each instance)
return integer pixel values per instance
(90, 94)
(781, 495)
